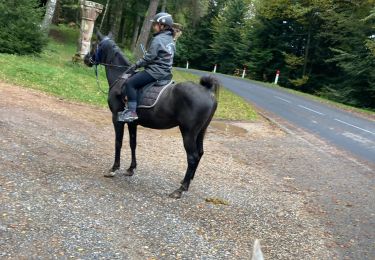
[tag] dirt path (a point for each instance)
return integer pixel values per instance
(55, 202)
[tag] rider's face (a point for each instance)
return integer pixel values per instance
(156, 27)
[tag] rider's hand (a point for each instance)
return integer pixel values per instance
(132, 68)
(138, 63)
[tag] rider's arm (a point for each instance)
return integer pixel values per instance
(150, 55)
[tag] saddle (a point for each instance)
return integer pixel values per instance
(149, 95)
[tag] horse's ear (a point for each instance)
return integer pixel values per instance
(99, 35)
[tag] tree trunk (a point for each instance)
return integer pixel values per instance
(135, 33)
(104, 15)
(116, 19)
(50, 10)
(145, 31)
(307, 47)
(56, 16)
(121, 35)
(164, 6)
(79, 12)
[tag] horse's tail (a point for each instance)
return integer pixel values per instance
(211, 83)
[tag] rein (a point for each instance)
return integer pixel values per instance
(97, 74)
(112, 85)
(96, 62)
(98, 83)
(107, 64)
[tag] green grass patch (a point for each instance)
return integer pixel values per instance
(230, 106)
(234, 107)
(54, 72)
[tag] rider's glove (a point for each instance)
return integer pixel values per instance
(132, 68)
(138, 64)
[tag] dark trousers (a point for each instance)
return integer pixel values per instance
(136, 82)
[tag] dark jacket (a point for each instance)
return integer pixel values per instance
(158, 59)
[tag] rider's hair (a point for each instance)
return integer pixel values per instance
(169, 28)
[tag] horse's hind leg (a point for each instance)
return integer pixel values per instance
(190, 144)
(119, 133)
(200, 149)
(200, 139)
(132, 128)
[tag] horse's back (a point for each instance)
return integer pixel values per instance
(184, 104)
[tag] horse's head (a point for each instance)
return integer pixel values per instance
(99, 50)
(106, 52)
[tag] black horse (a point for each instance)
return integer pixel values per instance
(187, 105)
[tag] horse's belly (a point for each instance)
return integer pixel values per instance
(155, 121)
(156, 125)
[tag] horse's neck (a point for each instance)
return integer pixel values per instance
(113, 73)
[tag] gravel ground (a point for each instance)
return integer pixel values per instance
(56, 204)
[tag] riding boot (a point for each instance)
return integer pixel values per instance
(128, 115)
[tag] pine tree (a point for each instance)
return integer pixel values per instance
(20, 30)
(274, 43)
(195, 44)
(350, 37)
(228, 44)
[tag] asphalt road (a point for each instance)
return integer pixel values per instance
(341, 128)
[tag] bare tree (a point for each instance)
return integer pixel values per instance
(145, 31)
(104, 15)
(135, 32)
(164, 5)
(117, 14)
(50, 10)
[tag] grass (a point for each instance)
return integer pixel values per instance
(53, 72)
(230, 105)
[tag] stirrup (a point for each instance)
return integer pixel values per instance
(127, 116)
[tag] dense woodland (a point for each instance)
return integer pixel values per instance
(324, 47)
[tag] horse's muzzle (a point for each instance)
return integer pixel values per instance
(88, 60)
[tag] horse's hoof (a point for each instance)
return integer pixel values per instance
(176, 194)
(111, 173)
(129, 172)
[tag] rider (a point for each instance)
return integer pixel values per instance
(157, 62)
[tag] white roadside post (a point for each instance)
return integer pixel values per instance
(244, 72)
(90, 11)
(215, 68)
(187, 65)
(277, 76)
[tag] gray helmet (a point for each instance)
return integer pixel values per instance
(163, 18)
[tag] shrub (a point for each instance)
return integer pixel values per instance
(20, 31)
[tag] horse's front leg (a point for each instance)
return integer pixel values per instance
(119, 133)
(132, 127)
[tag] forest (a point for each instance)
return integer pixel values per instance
(321, 47)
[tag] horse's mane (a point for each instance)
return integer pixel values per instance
(117, 51)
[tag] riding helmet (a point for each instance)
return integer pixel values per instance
(163, 18)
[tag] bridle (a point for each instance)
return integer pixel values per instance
(98, 55)
(96, 62)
